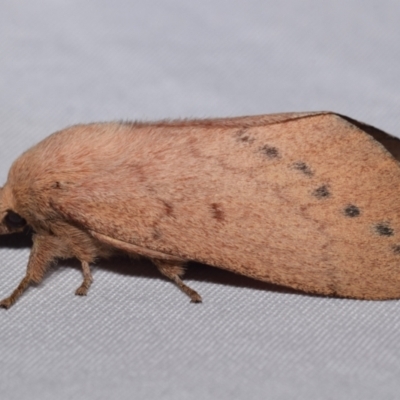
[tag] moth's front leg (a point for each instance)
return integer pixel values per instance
(44, 251)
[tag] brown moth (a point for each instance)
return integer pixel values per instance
(305, 200)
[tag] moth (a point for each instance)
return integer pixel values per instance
(304, 200)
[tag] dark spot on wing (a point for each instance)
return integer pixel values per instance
(383, 229)
(396, 249)
(168, 208)
(302, 167)
(322, 192)
(156, 234)
(217, 212)
(270, 151)
(244, 137)
(352, 211)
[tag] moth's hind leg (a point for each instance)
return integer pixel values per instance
(174, 270)
(87, 280)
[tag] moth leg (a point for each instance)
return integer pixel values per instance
(173, 270)
(23, 285)
(43, 253)
(87, 280)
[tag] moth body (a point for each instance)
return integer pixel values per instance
(305, 200)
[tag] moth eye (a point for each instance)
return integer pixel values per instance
(14, 220)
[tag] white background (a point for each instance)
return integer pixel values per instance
(136, 336)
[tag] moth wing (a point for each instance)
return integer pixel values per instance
(117, 209)
(268, 197)
(102, 219)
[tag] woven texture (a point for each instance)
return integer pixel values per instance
(136, 336)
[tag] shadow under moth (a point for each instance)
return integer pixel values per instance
(304, 200)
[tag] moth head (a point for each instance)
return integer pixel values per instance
(10, 220)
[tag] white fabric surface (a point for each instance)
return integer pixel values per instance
(136, 336)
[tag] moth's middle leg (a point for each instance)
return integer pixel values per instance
(174, 270)
(86, 249)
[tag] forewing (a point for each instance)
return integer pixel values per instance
(111, 216)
